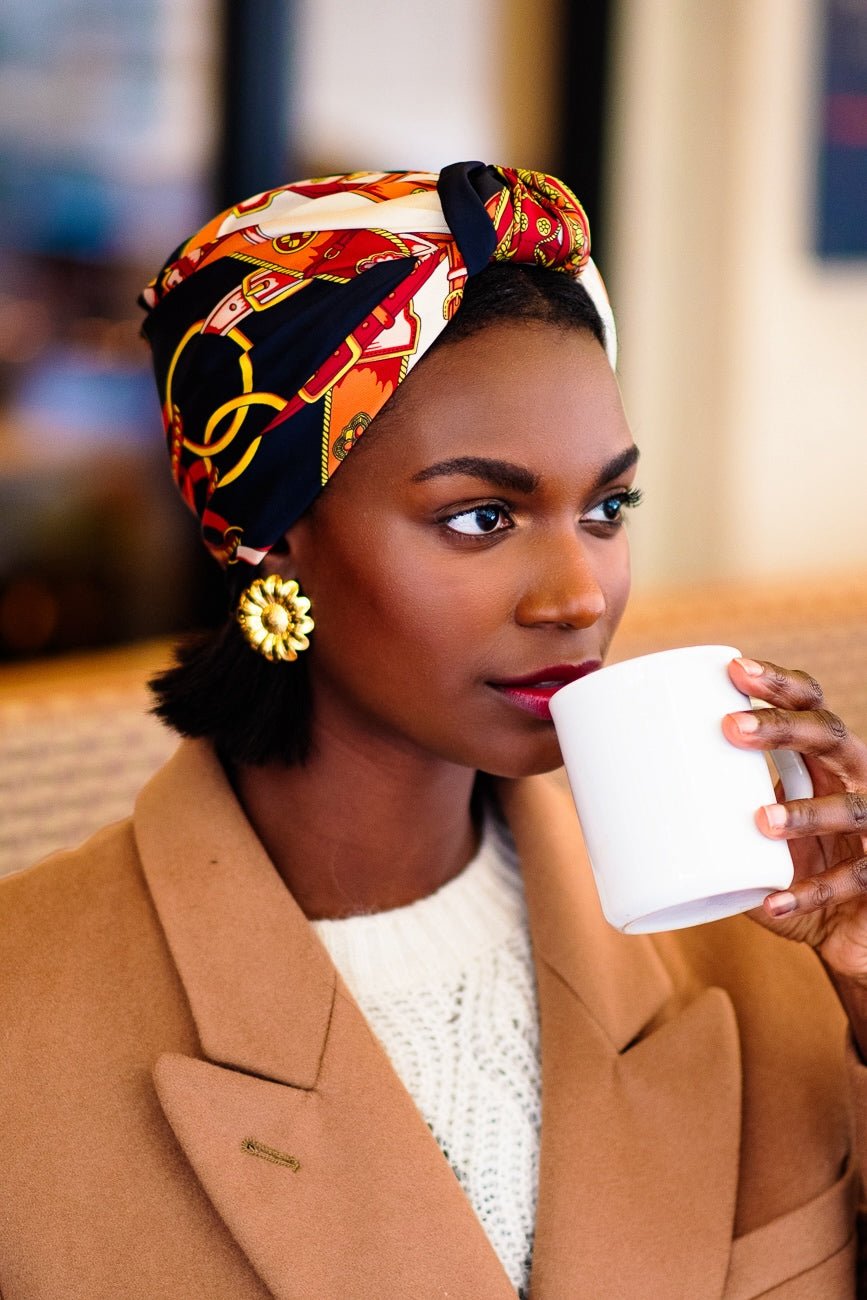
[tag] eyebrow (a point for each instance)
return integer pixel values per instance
(516, 478)
(618, 465)
(504, 473)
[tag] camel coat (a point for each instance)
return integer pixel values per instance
(192, 1107)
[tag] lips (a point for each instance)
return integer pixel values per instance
(533, 692)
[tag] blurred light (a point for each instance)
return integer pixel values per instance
(87, 393)
(85, 612)
(25, 329)
(28, 615)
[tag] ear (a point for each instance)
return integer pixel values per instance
(285, 556)
(279, 558)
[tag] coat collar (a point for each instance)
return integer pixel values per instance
(209, 875)
(641, 1087)
(638, 1165)
(296, 1124)
(619, 978)
(225, 910)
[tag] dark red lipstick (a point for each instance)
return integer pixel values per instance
(533, 692)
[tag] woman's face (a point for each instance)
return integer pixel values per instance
(473, 539)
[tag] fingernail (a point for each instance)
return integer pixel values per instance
(747, 722)
(750, 667)
(781, 904)
(776, 815)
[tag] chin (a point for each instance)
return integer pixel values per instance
(527, 760)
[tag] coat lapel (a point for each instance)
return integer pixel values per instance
(641, 1089)
(315, 1156)
(296, 1124)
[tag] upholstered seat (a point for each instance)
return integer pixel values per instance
(77, 741)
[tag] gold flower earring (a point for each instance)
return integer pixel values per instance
(274, 619)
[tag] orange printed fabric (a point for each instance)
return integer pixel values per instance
(284, 325)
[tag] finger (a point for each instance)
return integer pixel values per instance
(789, 688)
(817, 732)
(834, 813)
(841, 884)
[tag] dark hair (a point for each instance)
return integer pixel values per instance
(258, 712)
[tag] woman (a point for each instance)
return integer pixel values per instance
(336, 1013)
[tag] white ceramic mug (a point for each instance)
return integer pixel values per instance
(667, 804)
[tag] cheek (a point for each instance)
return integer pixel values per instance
(616, 579)
(384, 614)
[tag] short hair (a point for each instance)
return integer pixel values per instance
(257, 712)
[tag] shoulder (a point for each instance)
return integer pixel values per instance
(792, 1044)
(70, 896)
(755, 966)
(83, 956)
(789, 1018)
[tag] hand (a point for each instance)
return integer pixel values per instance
(826, 904)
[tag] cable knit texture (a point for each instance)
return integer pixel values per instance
(448, 986)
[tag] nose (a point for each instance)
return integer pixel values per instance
(563, 589)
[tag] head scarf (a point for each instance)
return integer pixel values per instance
(282, 328)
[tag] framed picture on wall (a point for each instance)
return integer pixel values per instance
(841, 227)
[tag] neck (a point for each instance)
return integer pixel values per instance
(360, 828)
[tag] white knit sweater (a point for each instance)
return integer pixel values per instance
(448, 987)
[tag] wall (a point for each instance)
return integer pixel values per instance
(387, 83)
(742, 356)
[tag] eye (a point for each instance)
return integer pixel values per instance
(610, 511)
(480, 520)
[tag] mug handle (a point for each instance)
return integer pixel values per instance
(791, 768)
(797, 782)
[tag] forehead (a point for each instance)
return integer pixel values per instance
(534, 394)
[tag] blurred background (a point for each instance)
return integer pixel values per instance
(720, 148)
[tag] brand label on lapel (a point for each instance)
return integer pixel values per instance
(264, 1152)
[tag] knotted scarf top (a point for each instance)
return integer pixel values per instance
(285, 324)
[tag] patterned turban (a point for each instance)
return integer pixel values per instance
(282, 328)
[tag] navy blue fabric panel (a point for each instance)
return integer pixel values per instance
(464, 188)
(289, 343)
